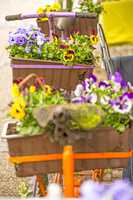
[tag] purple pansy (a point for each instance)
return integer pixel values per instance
(91, 98)
(116, 77)
(11, 39)
(79, 100)
(20, 39)
(122, 104)
(35, 34)
(103, 84)
(92, 78)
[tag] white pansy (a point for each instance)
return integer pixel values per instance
(105, 100)
(40, 41)
(79, 90)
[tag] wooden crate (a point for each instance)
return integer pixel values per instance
(85, 26)
(100, 140)
(56, 74)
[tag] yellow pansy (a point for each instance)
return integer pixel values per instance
(20, 100)
(32, 89)
(40, 10)
(15, 90)
(94, 39)
(17, 111)
(71, 38)
(48, 89)
(47, 8)
(69, 55)
(56, 6)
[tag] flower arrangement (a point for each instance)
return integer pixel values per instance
(27, 98)
(79, 6)
(30, 43)
(114, 96)
(99, 191)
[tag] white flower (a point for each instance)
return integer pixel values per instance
(91, 98)
(94, 1)
(105, 100)
(126, 107)
(40, 41)
(79, 90)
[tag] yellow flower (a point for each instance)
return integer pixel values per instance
(17, 111)
(32, 89)
(15, 90)
(47, 8)
(55, 7)
(48, 89)
(94, 39)
(40, 10)
(69, 55)
(71, 39)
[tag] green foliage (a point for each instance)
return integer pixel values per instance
(120, 122)
(28, 125)
(85, 117)
(23, 190)
(88, 6)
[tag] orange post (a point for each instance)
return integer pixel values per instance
(68, 171)
(41, 185)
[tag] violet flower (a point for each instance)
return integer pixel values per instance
(103, 84)
(20, 39)
(89, 83)
(122, 104)
(11, 39)
(79, 100)
(91, 98)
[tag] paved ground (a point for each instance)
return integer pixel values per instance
(8, 181)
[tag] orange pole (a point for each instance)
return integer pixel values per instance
(68, 171)
(41, 185)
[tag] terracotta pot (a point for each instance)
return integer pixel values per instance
(100, 140)
(56, 74)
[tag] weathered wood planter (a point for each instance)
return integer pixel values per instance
(100, 140)
(56, 74)
(85, 26)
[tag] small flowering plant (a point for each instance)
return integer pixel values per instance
(114, 96)
(30, 43)
(26, 99)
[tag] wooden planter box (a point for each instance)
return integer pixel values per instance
(56, 74)
(85, 26)
(100, 140)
